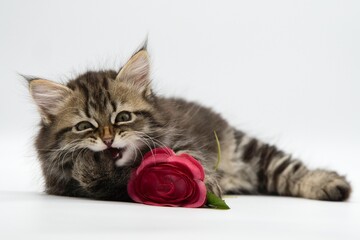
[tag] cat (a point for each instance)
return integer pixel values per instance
(95, 129)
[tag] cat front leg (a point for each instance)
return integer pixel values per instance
(58, 184)
(286, 176)
(100, 178)
(279, 173)
(324, 185)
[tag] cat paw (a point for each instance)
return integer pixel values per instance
(91, 168)
(213, 186)
(324, 185)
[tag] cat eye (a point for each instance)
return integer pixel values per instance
(123, 117)
(84, 125)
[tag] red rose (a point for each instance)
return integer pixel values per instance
(167, 179)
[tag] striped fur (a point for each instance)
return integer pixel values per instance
(76, 163)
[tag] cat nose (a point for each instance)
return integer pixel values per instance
(107, 136)
(108, 141)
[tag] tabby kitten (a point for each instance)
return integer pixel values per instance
(96, 128)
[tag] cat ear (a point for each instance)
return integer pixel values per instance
(137, 71)
(49, 96)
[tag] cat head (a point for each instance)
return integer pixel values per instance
(99, 111)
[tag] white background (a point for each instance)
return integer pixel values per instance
(285, 71)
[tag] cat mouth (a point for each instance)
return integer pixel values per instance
(115, 153)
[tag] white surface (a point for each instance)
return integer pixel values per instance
(286, 71)
(37, 216)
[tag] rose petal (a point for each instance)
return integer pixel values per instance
(132, 189)
(160, 176)
(161, 204)
(201, 196)
(164, 179)
(155, 156)
(190, 163)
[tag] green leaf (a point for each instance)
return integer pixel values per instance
(214, 201)
(219, 151)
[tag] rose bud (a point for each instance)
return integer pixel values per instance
(167, 179)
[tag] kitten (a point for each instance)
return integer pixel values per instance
(95, 129)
